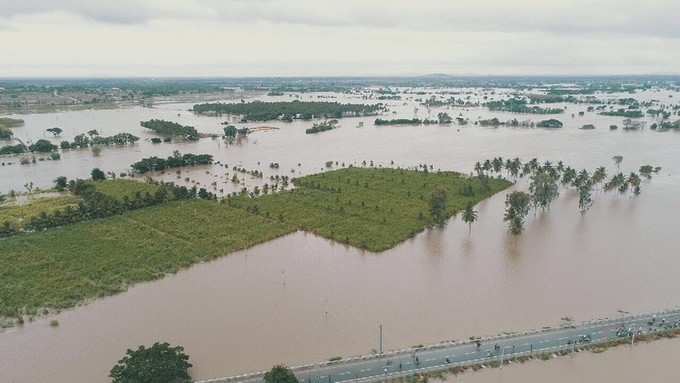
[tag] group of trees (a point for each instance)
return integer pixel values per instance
(40, 146)
(404, 121)
(94, 204)
(171, 129)
(546, 179)
(517, 105)
(628, 113)
(288, 110)
(175, 161)
(93, 139)
(5, 133)
(550, 124)
(13, 149)
(322, 126)
(5, 124)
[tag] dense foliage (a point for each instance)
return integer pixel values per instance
(628, 113)
(7, 122)
(175, 161)
(5, 133)
(551, 124)
(322, 127)
(159, 363)
(404, 121)
(171, 129)
(84, 141)
(13, 149)
(90, 200)
(42, 146)
(516, 105)
(280, 374)
(306, 110)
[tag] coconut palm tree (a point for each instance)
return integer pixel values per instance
(469, 217)
(617, 161)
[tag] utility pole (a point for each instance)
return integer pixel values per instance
(381, 338)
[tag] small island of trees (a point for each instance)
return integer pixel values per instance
(550, 124)
(171, 129)
(175, 161)
(322, 127)
(288, 111)
(517, 105)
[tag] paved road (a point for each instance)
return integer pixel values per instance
(495, 349)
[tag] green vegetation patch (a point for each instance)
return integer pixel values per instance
(120, 188)
(287, 110)
(515, 105)
(16, 213)
(6, 122)
(372, 209)
(171, 129)
(60, 268)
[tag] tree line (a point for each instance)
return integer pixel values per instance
(94, 204)
(287, 110)
(171, 129)
(176, 160)
(546, 179)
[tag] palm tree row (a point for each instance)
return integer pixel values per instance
(545, 180)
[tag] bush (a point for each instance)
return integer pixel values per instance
(42, 146)
(159, 363)
(98, 175)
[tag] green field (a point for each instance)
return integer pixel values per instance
(373, 209)
(120, 188)
(6, 122)
(17, 213)
(48, 202)
(60, 268)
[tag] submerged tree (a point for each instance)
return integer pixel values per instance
(438, 206)
(615, 182)
(634, 181)
(469, 216)
(55, 131)
(517, 206)
(599, 175)
(544, 189)
(585, 192)
(617, 161)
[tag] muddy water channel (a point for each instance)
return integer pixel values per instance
(302, 298)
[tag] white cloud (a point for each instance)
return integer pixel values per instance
(297, 37)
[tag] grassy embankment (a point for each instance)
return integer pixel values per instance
(374, 209)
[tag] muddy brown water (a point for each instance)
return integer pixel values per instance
(303, 298)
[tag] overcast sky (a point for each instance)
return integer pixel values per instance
(341, 37)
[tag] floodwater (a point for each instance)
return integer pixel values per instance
(302, 298)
